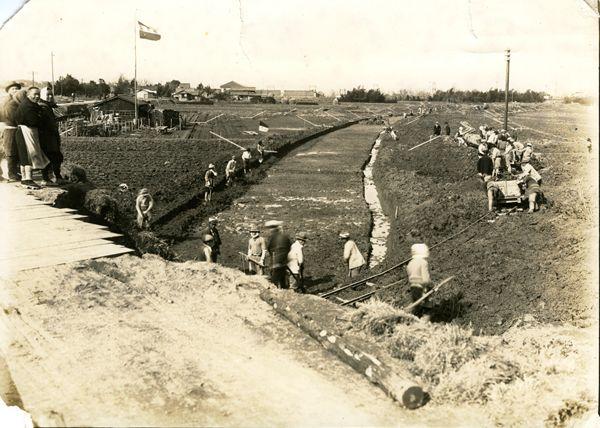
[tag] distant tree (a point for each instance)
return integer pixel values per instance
(122, 86)
(67, 85)
(103, 88)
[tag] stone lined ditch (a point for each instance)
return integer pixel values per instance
(381, 225)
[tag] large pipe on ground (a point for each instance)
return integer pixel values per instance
(351, 351)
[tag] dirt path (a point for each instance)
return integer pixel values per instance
(127, 341)
(317, 189)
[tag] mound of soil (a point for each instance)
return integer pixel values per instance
(506, 267)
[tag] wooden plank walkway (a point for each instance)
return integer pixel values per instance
(33, 234)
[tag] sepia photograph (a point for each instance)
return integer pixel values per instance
(299, 213)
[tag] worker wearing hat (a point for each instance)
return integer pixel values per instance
(143, 206)
(230, 170)
(419, 279)
(527, 154)
(246, 156)
(257, 251)
(353, 258)
(278, 246)
(8, 116)
(209, 182)
(296, 263)
(215, 243)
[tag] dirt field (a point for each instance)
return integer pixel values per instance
(131, 341)
(318, 189)
(517, 264)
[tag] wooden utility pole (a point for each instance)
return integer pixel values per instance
(52, 67)
(33, 78)
(507, 53)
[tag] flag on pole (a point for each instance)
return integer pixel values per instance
(263, 127)
(148, 32)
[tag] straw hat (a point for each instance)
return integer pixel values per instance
(273, 223)
(302, 236)
(254, 228)
(344, 235)
(13, 84)
(212, 220)
(211, 165)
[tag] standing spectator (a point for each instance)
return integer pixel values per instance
(485, 166)
(446, 128)
(209, 182)
(50, 141)
(29, 119)
(257, 251)
(215, 243)
(296, 263)
(230, 170)
(9, 110)
(437, 129)
(352, 256)
(508, 155)
(278, 246)
(143, 205)
(246, 156)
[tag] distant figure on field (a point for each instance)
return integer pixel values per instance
(246, 156)
(437, 129)
(353, 258)
(260, 148)
(257, 251)
(215, 243)
(143, 206)
(446, 128)
(485, 166)
(419, 279)
(278, 246)
(296, 263)
(230, 170)
(209, 182)
(205, 249)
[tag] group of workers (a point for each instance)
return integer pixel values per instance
(210, 175)
(30, 135)
(502, 156)
(284, 257)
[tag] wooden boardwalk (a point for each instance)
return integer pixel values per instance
(33, 234)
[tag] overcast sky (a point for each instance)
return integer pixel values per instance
(295, 44)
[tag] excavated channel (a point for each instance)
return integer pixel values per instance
(381, 226)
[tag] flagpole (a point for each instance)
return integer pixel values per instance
(135, 69)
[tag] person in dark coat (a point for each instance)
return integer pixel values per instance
(50, 140)
(215, 244)
(8, 113)
(485, 166)
(437, 129)
(446, 128)
(279, 246)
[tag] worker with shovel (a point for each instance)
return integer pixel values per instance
(419, 279)
(257, 251)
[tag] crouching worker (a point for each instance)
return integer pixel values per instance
(419, 279)
(532, 193)
(143, 206)
(492, 189)
(352, 255)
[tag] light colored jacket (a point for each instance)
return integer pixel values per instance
(295, 257)
(230, 167)
(352, 255)
(257, 247)
(418, 271)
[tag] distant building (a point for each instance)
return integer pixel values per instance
(146, 94)
(186, 94)
(294, 93)
(121, 107)
(236, 87)
(183, 86)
